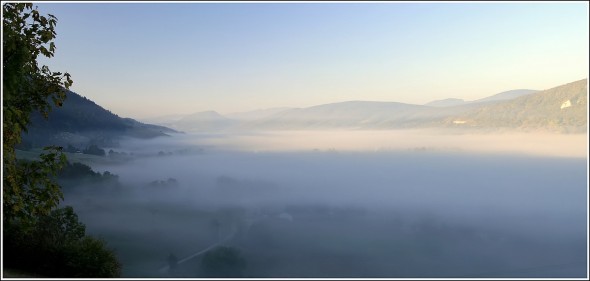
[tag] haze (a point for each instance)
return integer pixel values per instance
(543, 144)
(359, 140)
(418, 206)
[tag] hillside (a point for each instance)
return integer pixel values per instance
(514, 110)
(80, 122)
(560, 109)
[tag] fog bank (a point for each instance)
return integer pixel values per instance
(544, 144)
(349, 204)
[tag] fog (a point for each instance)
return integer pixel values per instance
(547, 144)
(347, 203)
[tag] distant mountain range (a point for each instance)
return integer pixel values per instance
(81, 122)
(560, 109)
(563, 109)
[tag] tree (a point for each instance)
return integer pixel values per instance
(37, 236)
(90, 258)
(58, 247)
(60, 227)
(28, 190)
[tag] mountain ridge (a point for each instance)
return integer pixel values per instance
(358, 114)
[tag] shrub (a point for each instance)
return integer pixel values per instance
(90, 258)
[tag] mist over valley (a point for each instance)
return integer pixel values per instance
(390, 140)
(328, 204)
(494, 188)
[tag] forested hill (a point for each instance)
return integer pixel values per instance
(81, 121)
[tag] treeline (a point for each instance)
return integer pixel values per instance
(92, 149)
(79, 171)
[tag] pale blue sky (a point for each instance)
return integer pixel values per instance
(149, 59)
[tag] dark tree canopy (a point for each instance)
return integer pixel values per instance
(58, 247)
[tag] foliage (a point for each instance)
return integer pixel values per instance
(90, 258)
(57, 247)
(28, 188)
(60, 227)
(38, 237)
(77, 175)
(77, 170)
(223, 262)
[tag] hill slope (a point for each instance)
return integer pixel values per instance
(560, 109)
(80, 121)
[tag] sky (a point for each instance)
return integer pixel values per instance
(145, 60)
